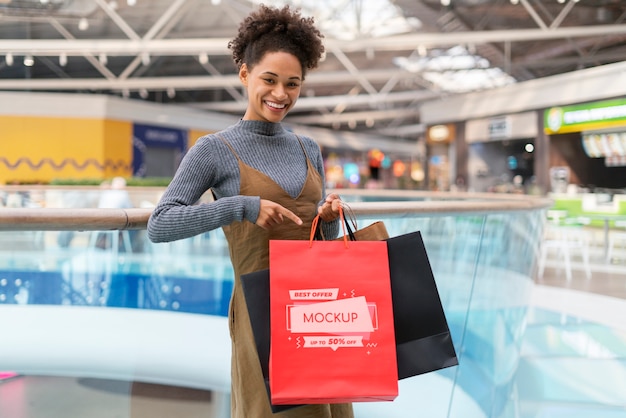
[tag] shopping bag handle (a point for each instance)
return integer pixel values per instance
(349, 223)
(344, 224)
(352, 225)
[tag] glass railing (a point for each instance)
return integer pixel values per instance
(83, 292)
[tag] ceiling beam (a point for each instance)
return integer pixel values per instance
(404, 130)
(218, 46)
(130, 84)
(184, 83)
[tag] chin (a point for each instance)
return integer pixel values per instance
(276, 118)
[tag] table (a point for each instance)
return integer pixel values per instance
(607, 218)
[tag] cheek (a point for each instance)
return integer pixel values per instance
(260, 89)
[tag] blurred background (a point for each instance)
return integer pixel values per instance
(497, 128)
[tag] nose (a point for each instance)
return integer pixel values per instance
(280, 93)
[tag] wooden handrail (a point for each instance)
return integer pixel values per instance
(448, 208)
(90, 219)
(83, 219)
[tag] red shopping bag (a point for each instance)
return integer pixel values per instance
(331, 321)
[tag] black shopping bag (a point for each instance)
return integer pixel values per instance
(256, 289)
(423, 340)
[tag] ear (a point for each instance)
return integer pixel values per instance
(243, 74)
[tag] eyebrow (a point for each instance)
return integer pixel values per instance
(276, 75)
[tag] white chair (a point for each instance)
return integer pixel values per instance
(566, 241)
(616, 238)
(555, 216)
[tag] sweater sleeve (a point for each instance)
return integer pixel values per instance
(178, 215)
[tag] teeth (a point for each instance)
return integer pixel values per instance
(276, 105)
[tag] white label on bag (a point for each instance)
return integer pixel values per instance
(314, 294)
(337, 316)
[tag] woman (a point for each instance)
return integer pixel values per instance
(267, 182)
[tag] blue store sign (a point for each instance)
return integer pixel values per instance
(149, 136)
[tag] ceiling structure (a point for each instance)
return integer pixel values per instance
(384, 58)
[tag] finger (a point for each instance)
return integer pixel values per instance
(324, 207)
(327, 214)
(289, 214)
(332, 197)
(265, 225)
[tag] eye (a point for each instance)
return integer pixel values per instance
(269, 80)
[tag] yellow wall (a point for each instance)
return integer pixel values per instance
(36, 149)
(193, 136)
(118, 149)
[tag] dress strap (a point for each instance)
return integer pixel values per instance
(229, 146)
(303, 149)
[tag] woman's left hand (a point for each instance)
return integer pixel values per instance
(329, 211)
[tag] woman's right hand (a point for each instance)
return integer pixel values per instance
(272, 214)
(329, 211)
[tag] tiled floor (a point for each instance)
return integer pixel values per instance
(61, 397)
(573, 359)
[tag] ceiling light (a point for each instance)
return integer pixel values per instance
(83, 24)
(216, 2)
(63, 59)
(171, 93)
(203, 58)
(445, 2)
(131, 3)
(29, 61)
(9, 59)
(145, 58)
(514, 1)
(103, 58)
(143, 93)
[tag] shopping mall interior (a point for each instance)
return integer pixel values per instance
(494, 128)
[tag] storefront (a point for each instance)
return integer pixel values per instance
(588, 142)
(359, 160)
(441, 149)
(501, 152)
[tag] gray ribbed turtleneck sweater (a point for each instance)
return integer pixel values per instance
(210, 164)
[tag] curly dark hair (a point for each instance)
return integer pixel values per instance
(272, 30)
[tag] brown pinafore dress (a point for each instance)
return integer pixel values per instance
(249, 252)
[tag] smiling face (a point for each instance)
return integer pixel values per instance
(273, 86)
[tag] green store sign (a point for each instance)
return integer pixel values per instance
(589, 116)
